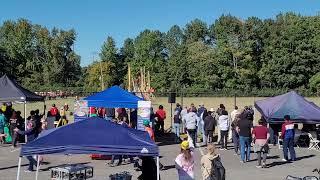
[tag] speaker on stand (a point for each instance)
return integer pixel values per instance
(171, 100)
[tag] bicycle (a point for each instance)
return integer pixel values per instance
(289, 177)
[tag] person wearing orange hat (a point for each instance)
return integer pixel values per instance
(184, 162)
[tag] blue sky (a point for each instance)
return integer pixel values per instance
(94, 20)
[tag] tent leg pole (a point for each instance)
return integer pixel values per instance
(19, 167)
(25, 120)
(38, 166)
(158, 173)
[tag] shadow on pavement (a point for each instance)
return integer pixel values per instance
(166, 139)
(168, 167)
(277, 163)
(11, 167)
(269, 157)
(48, 168)
(305, 157)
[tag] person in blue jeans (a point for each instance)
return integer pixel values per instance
(287, 134)
(244, 129)
(176, 124)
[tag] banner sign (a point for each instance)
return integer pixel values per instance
(143, 113)
(81, 110)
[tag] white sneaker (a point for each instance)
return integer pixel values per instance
(284, 160)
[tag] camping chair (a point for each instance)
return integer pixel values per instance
(280, 141)
(314, 143)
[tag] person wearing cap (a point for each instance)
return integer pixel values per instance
(147, 127)
(184, 162)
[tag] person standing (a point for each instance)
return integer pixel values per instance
(224, 123)
(13, 124)
(208, 171)
(176, 125)
(183, 114)
(244, 129)
(2, 124)
(147, 128)
(110, 114)
(287, 134)
(219, 113)
(260, 136)
(209, 127)
(235, 135)
(233, 115)
(184, 162)
(161, 116)
(191, 121)
(32, 134)
(200, 112)
(54, 112)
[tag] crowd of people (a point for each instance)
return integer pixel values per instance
(200, 125)
(237, 127)
(12, 121)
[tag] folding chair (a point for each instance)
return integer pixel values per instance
(314, 143)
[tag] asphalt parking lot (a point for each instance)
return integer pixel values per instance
(307, 161)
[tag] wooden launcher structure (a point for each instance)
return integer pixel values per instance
(140, 84)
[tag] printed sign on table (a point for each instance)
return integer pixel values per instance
(81, 110)
(143, 113)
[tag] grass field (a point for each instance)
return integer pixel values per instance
(207, 101)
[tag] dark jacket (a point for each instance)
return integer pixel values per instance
(31, 134)
(209, 123)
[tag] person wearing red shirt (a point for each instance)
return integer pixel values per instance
(54, 112)
(260, 136)
(161, 116)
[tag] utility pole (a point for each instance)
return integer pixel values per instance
(235, 66)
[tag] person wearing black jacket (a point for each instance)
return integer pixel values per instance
(32, 134)
(209, 126)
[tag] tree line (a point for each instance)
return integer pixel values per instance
(253, 56)
(231, 55)
(39, 58)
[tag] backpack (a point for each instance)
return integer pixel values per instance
(219, 172)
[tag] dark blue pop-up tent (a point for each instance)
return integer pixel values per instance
(92, 136)
(113, 97)
(300, 110)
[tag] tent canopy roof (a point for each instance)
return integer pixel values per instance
(92, 136)
(12, 91)
(112, 98)
(300, 110)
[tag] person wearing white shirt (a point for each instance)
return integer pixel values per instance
(224, 128)
(233, 115)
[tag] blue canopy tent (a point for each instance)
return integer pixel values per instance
(99, 137)
(113, 97)
(300, 110)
